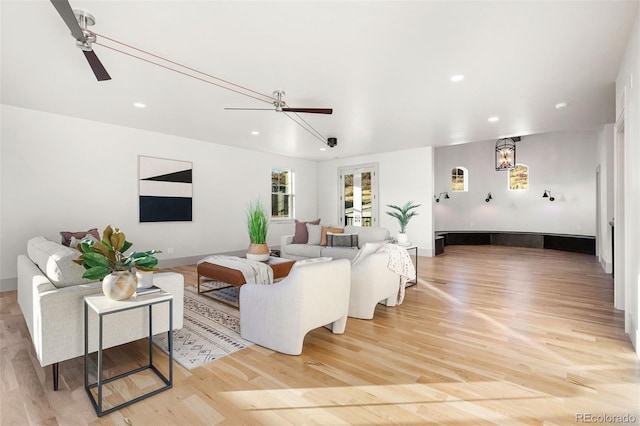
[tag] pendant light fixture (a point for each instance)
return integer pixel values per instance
(506, 153)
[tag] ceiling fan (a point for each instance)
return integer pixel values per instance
(281, 106)
(78, 21)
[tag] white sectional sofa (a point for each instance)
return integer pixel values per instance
(51, 295)
(312, 249)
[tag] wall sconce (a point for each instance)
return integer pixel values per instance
(547, 194)
(446, 196)
(489, 198)
(506, 153)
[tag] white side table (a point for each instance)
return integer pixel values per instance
(102, 306)
(415, 248)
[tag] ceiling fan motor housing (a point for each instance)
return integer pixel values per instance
(332, 142)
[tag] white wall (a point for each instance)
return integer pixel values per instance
(60, 173)
(563, 162)
(627, 80)
(403, 176)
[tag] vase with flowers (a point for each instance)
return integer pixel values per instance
(106, 260)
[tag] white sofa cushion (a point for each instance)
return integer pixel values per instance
(366, 250)
(56, 261)
(340, 252)
(367, 234)
(303, 262)
(304, 250)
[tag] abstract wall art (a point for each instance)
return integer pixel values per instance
(165, 190)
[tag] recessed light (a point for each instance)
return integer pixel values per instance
(139, 105)
(323, 149)
(561, 105)
(255, 132)
(456, 78)
(493, 119)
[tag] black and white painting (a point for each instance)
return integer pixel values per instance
(166, 190)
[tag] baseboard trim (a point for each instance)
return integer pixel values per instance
(634, 334)
(180, 261)
(426, 252)
(8, 284)
(607, 267)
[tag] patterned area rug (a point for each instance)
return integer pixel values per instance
(211, 329)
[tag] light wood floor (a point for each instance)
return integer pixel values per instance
(491, 335)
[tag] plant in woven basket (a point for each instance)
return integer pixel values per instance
(102, 258)
(257, 223)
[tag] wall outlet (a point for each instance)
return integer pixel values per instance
(171, 250)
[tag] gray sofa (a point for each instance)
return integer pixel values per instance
(51, 294)
(289, 250)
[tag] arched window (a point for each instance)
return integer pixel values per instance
(459, 179)
(519, 177)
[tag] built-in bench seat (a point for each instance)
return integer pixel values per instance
(574, 243)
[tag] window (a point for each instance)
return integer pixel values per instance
(519, 177)
(459, 179)
(281, 194)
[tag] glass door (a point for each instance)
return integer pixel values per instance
(358, 196)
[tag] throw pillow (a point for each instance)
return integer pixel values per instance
(325, 229)
(301, 235)
(66, 235)
(314, 232)
(342, 240)
(75, 241)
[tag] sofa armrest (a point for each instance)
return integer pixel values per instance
(285, 240)
(55, 316)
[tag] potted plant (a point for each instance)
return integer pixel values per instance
(257, 225)
(106, 261)
(403, 215)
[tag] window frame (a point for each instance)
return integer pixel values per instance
(289, 191)
(465, 179)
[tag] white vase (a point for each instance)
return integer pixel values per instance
(119, 285)
(145, 279)
(403, 239)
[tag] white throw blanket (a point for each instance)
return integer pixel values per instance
(253, 272)
(400, 263)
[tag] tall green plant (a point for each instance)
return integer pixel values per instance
(257, 223)
(403, 214)
(101, 258)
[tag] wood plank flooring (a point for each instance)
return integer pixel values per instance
(490, 335)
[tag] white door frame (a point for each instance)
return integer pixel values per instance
(360, 168)
(619, 149)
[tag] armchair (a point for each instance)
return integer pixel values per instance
(278, 316)
(372, 282)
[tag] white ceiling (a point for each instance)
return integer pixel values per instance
(383, 66)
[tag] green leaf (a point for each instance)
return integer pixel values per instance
(96, 273)
(147, 263)
(127, 245)
(92, 259)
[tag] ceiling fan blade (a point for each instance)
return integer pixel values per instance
(66, 13)
(97, 67)
(250, 109)
(309, 110)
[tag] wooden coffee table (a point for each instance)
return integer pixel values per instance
(234, 277)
